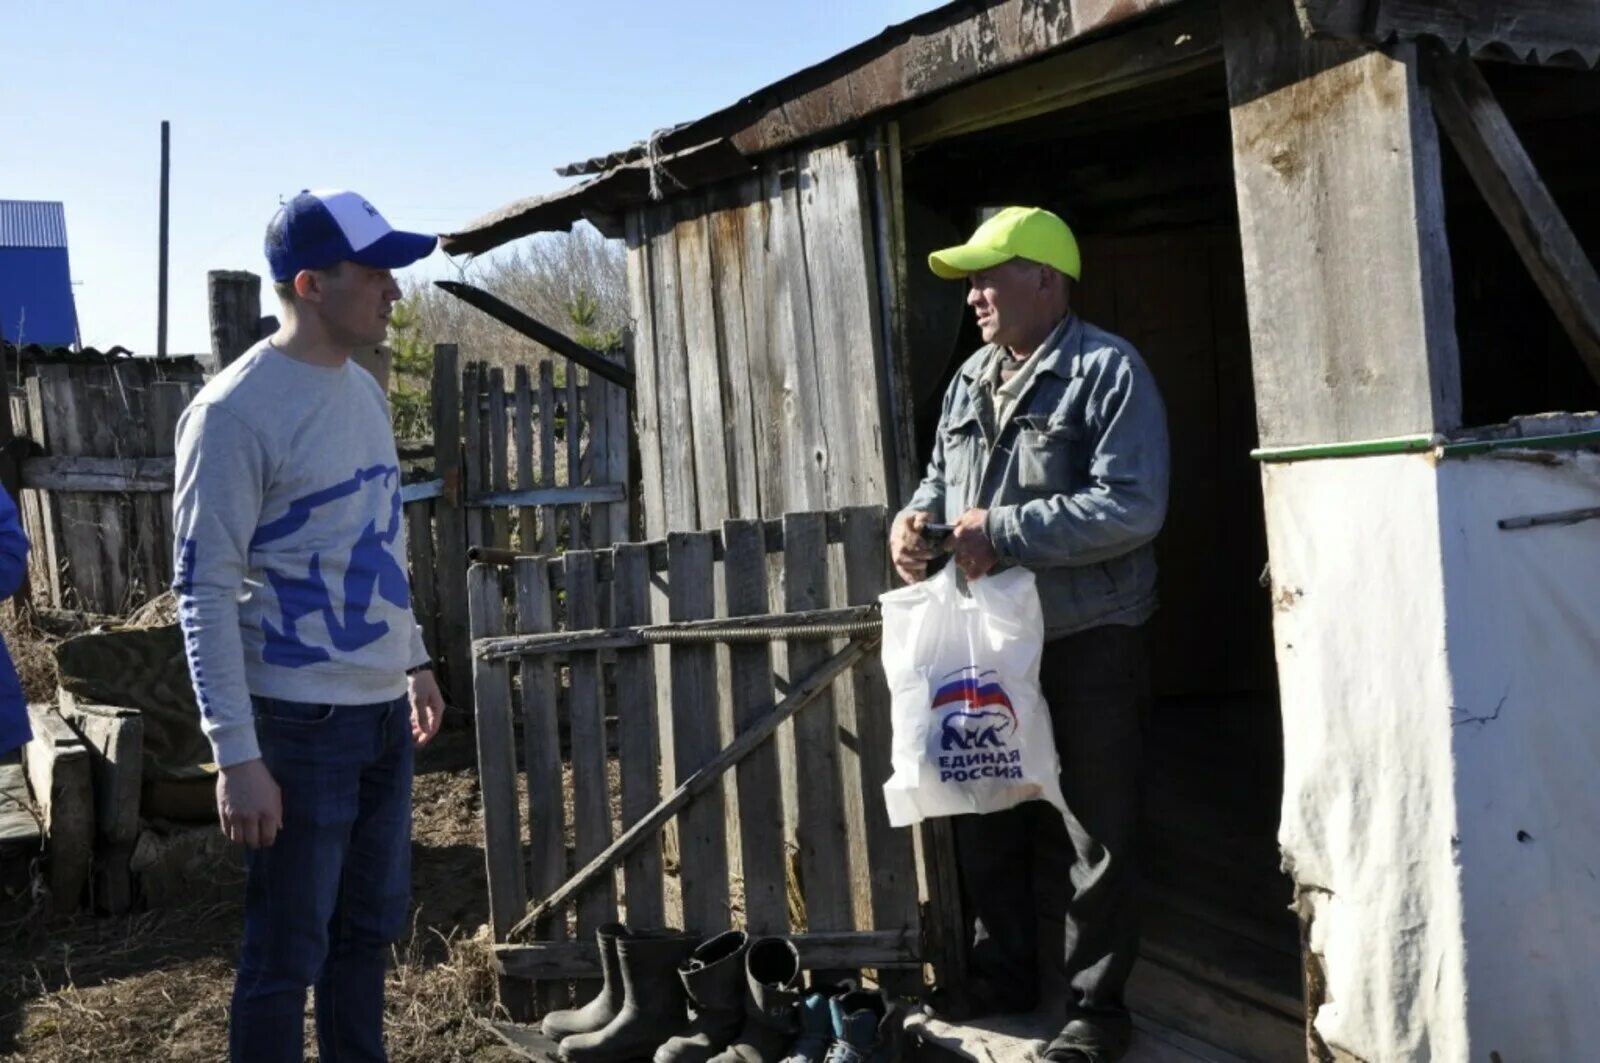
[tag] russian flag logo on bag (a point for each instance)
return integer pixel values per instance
(976, 715)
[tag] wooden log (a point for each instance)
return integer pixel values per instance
(818, 951)
(527, 517)
(763, 860)
(638, 749)
(549, 520)
(499, 453)
(114, 738)
(587, 728)
(82, 472)
(541, 750)
(820, 827)
(60, 777)
(802, 693)
(1494, 156)
(455, 636)
(497, 779)
(1352, 327)
(234, 298)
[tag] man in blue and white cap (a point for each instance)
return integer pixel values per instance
(309, 668)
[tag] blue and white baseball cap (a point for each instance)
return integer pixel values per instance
(315, 230)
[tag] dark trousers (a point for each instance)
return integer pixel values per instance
(326, 900)
(1053, 899)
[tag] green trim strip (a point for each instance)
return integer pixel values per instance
(1362, 448)
(1366, 448)
(1566, 441)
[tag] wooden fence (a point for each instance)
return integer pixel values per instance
(97, 475)
(529, 466)
(526, 467)
(773, 845)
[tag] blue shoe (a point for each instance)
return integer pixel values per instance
(862, 1028)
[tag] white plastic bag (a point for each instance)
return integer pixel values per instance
(971, 728)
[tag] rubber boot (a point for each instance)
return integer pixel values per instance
(599, 1012)
(714, 979)
(863, 1028)
(816, 1022)
(772, 1004)
(653, 1007)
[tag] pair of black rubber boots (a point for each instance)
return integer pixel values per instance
(747, 1000)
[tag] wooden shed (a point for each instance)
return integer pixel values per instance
(1347, 235)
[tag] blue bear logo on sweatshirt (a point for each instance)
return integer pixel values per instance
(372, 569)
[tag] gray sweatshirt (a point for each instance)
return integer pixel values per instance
(290, 545)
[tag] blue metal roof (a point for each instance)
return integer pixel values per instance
(32, 223)
(36, 304)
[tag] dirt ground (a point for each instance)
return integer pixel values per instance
(155, 985)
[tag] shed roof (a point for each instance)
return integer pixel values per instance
(965, 41)
(949, 46)
(32, 223)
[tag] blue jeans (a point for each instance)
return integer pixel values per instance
(327, 899)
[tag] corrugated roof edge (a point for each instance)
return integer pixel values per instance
(35, 353)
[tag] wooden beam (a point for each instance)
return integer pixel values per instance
(235, 301)
(76, 472)
(845, 949)
(114, 737)
(1494, 156)
(1341, 219)
(516, 320)
(807, 690)
(60, 778)
(1557, 32)
(1173, 44)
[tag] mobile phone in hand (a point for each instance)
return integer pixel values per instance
(937, 534)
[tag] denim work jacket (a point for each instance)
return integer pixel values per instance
(1075, 482)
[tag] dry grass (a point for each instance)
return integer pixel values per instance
(155, 986)
(33, 651)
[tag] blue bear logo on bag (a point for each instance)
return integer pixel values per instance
(977, 718)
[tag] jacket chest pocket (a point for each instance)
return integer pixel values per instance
(1046, 455)
(963, 450)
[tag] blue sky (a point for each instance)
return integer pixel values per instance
(436, 112)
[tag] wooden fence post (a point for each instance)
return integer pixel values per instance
(235, 297)
(450, 563)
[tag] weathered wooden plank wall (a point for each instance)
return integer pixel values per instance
(100, 549)
(758, 341)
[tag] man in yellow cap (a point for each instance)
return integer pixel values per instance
(1051, 453)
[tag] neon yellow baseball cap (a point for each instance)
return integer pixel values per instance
(1015, 232)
